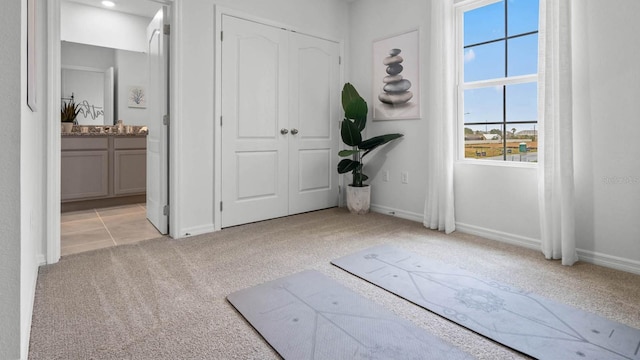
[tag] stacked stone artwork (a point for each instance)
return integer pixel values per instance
(396, 88)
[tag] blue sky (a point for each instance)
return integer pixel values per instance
(487, 61)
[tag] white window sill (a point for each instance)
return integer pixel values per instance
(499, 163)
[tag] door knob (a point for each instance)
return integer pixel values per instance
(294, 131)
(284, 131)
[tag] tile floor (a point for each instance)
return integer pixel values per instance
(100, 228)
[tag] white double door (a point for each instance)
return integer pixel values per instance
(280, 114)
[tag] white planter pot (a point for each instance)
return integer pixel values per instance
(66, 127)
(358, 199)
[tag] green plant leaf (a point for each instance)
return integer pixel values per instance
(344, 153)
(376, 141)
(350, 133)
(357, 111)
(349, 93)
(347, 165)
(361, 123)
(354, 106)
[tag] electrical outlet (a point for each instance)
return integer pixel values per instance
(385, 176)
(404, 177)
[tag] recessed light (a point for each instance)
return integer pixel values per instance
(108, 3)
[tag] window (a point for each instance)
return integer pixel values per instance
(498, 80)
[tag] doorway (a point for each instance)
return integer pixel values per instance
(280, 112)
(160, 146)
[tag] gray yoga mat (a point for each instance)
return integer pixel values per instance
(310, 316)
(526, 322)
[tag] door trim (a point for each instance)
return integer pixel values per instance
(217, 136)
(54, 141)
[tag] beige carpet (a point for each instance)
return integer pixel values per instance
(165, 299)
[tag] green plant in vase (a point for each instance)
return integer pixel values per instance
(68, 115)
(355, 119)
(69, 112)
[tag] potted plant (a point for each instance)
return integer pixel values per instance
(355, 120)
(68, 115)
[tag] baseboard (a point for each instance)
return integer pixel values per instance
(397, 212)
(41, 259)
(591, 257)
(587, 256)
(504, 237)
(609, 261)
(196, 230)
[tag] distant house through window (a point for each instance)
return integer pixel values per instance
(498, 80)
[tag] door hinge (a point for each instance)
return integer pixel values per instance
(165, 120)
(221, 35)
(165, 210)
(220, 205)
(220, 120)
(166, 29)
(339, 60)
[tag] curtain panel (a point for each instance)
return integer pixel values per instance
(439, 203)
(555, 139)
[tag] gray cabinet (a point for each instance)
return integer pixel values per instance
(102, 167)
(85, 174)
(129, 172)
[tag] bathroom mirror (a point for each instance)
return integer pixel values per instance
(92, 89)
(100, 79)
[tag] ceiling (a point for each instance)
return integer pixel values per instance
(146, 8)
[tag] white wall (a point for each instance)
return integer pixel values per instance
(372, 20)
(95, 26)
(74, 54)
(10, 57)
(32, 178)
(477, 188)
(21, 181)
(194, 125)
(500, 202)
(606, 122)
(132, 68)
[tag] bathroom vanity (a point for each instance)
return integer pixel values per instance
(102, 169)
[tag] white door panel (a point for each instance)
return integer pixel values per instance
(258, 175)
(254, 152)
(315, 113)
(157, 138)
(258, 80)
(313, 174)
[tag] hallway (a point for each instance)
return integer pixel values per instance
(105, 227)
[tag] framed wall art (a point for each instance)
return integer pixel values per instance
(137, 97)
(396, 77)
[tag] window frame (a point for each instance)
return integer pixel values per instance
(460, 7)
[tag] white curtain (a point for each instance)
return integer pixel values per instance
(439, 204)
(555, 155)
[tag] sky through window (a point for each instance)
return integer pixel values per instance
(494, 50)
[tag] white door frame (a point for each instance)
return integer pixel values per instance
(217, 137)
(52, 131)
